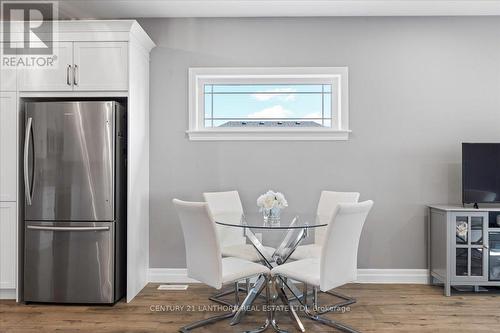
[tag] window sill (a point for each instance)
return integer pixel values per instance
(268, 135)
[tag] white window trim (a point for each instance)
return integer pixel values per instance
(198, 77)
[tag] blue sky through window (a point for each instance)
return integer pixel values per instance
(267, 102)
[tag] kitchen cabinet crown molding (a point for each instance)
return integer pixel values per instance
(91, 30)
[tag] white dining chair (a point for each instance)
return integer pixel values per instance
(203, 255)
(328, 201)
(337, 264)
(232, 240)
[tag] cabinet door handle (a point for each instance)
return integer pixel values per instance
(68, 81)
(75, 75)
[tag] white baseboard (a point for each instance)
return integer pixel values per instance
(414, 276)
(395, 276)
(7, 293)
(169, 275)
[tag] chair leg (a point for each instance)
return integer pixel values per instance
(347, 301)
(315, 299)
(236, 294)
(316, 316)
(207, 321)
(214, 319)
(217, 297)
(332, 323)
(304, 293)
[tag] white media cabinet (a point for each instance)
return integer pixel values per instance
(460, 242)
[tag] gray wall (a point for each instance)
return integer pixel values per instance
(418, 88)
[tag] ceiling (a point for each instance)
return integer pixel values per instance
(118, 9)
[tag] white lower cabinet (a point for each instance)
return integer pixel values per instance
(8, 243)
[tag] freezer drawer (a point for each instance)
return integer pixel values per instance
(69, 262)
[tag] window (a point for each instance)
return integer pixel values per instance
(268, 104)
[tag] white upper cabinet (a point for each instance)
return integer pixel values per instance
(81, 66)
(8, 146)
(50, 78)
(101, 66)
(8, 77)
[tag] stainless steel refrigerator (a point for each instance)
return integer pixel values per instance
(74, 167)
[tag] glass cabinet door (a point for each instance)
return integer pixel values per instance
(494, 256)
(462, 261)
(476, 262)
(469, 252)
(461, 230)
(476, 230)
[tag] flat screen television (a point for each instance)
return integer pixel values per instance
(480, 173)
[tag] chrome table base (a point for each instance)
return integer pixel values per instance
(278, 284)
(311, 312)
(281, 255)
(271, 322)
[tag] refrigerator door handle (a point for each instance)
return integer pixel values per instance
(34, 227)
(27, 186)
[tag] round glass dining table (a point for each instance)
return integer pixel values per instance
(296, 227)
(286, 221)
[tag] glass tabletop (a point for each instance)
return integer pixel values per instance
(256, 221)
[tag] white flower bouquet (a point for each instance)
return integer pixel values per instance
(271, 199)
(271, 203)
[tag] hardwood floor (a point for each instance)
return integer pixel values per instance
(380, 308)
